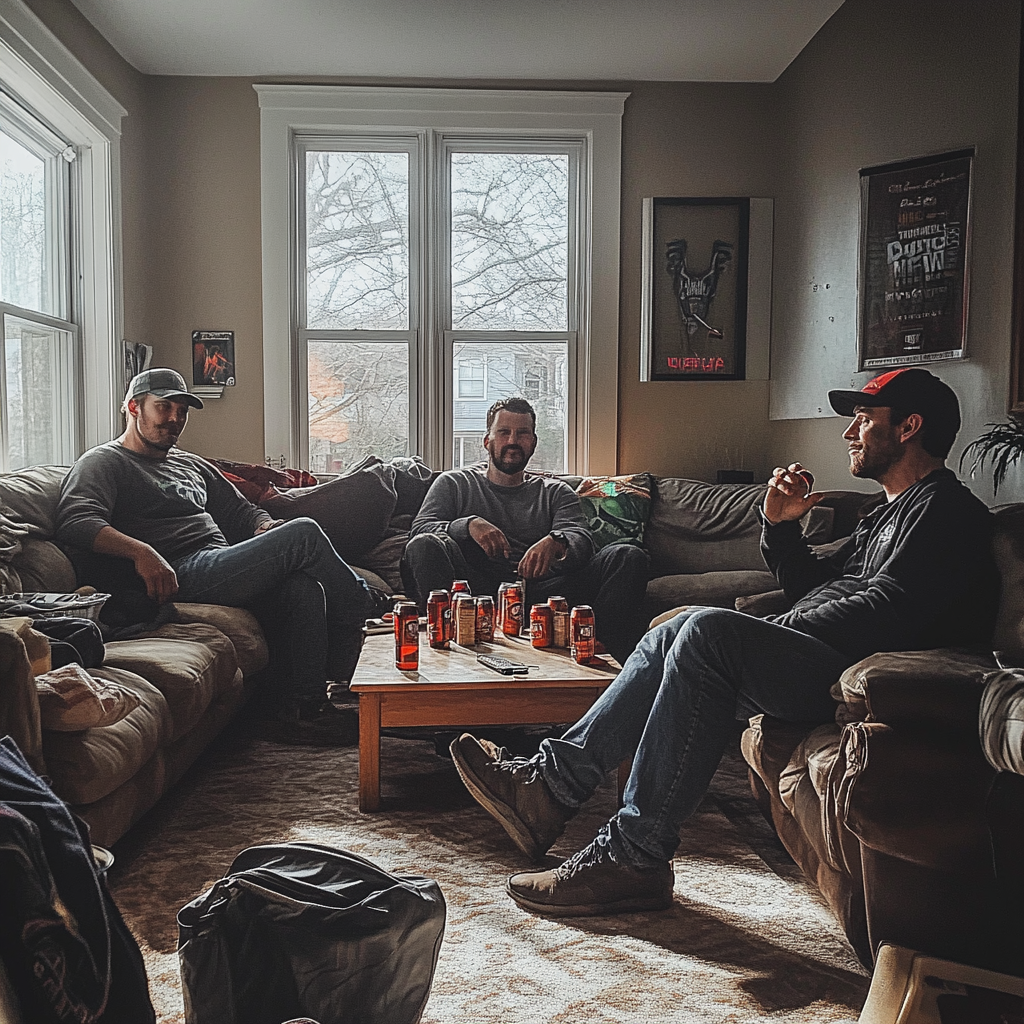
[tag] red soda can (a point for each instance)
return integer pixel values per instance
(582, 633)
(460, 587)
(485, 620)
(439, 617)
(512, 611)
(540, 625)
(407, 636)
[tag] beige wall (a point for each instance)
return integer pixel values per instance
(682, 139)
(882, 82)
(204, 266)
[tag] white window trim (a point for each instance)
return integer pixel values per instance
(287, 110)
(52, 81)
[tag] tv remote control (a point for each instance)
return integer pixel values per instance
(502, 665)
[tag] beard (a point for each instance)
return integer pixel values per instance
(871, 465)
(510, 459)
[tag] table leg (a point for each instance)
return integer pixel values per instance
(369, 752)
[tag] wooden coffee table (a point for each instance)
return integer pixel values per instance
(452, 688)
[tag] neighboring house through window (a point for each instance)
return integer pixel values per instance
(60, 356)
(429, 251)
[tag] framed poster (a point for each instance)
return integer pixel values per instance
(915, 241)
(694, 292)
(213, 358)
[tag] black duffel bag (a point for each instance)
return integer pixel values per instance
(299, 929)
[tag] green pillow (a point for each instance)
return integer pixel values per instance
(616, 507)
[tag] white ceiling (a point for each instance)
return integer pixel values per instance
(653, 40)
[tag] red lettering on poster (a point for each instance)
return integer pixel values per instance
(695, 364)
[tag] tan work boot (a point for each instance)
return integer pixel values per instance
(512, 791)
(591, 883)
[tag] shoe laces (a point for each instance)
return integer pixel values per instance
(589, 857)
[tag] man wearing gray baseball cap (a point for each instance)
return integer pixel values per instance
(189, 535)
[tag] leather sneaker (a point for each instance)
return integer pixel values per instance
(512, 791)
(591, 883)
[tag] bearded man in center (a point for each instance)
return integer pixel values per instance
(495, 522)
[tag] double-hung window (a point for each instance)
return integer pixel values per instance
(38, 346)
(440, 254)
(61, 361)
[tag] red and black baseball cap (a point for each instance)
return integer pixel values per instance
(910, 390)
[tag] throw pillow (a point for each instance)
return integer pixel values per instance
(71, 700)
(616, 507)
(256, 482)
(353, 510)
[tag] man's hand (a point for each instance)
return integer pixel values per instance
(490, 538)
(161, 581)
(263, 527)
(789, 494)
(537, 561)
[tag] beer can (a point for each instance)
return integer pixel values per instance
(582, 633)
(460, 587)
(559, 621)
(464, 618)
(407, 636)
(439, 618)
(512, 610)
(540, 625)
(485, 620)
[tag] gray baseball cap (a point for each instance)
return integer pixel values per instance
(164, 383)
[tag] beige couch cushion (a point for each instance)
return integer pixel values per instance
(71, 700)
(238, 624)
(86, 766)
(188, 664)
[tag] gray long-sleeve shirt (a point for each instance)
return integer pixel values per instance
(524, 514)
(177, 505)
(916, 574)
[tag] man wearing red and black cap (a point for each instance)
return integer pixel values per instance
(917, 573)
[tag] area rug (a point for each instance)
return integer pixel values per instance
(747, 939)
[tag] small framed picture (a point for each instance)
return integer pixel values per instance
(213, 358)
(694, 297)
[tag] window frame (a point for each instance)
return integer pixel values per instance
(41, 74)
(592, 120)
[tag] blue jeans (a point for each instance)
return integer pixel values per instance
(672, 709)
(293, 575)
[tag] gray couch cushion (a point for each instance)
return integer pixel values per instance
(32, 495)
(697, 527)
(715, 589)
(42, 566)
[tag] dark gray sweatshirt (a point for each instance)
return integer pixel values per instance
(524, 514)
(915, 574)
(177, 505)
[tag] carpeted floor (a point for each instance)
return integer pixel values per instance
(747, 940)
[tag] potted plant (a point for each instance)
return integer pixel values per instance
(1001, 445)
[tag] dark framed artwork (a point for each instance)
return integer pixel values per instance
(694, 297)
(915, 244)
(213, 358)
